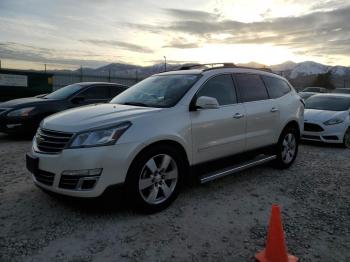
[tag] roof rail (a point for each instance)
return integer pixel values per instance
(206, 66)
(211, 66)
(257, 68)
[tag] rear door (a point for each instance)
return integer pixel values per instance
(218, 132)
(262, 112)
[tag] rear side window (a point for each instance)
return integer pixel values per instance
(251, 87)
(276, 87)
(116, 90)
(220, 87)
(96, 92)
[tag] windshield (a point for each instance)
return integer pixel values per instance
(64, 92)
(157, 91)
(328, 103)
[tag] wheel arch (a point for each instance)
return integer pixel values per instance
(168, 142)
(292, 124)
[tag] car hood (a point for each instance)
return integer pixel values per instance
(313, 115)
(94, 116)
(21, 102)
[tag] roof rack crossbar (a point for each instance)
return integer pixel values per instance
(206, 66)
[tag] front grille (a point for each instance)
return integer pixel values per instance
(52, 142)
(311, 137)
(312, 127)
(44, 177)
(69, 182)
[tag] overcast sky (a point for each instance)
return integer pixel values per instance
(65, 33)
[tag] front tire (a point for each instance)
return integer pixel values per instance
(287, 148)
(346, 139)
(154, 178)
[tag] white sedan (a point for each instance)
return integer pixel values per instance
(327, 119)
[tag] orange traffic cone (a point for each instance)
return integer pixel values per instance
(276, 249)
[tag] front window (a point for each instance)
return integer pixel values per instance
(64, 92)
(328, 103)
(157, 91)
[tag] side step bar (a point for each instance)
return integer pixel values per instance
(236, 168)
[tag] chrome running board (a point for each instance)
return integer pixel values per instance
(236, 168)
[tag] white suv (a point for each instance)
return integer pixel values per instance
(169, 126)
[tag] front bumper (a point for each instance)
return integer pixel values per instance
(330, 134)
(14, 125)
(113, 160)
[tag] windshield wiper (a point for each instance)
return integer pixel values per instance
(135, 104)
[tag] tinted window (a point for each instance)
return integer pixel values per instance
(157, 91)
(116, 90)
(96, 92)
(221, 88)
(251, 87)
(64, 92)
(276, 87)
(328, 103)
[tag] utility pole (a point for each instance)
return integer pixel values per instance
(164, 63)
(0, 63)
(81, 73)
(109, 74)
(45, 68)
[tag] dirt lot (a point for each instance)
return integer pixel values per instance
(224, 220)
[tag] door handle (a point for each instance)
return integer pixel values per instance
(274, 109)
(238, 115)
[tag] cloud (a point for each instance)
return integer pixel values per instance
(321, 32)
(12, 50)
(191, 14)
(119, 44)
(181, 43)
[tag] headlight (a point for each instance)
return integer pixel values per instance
(100, 137)
(23, 112)
(333, 121)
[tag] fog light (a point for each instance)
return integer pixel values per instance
(84, 172)
(88, 183)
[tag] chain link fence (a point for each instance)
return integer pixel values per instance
(62, 79)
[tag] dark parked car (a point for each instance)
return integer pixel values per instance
(23, 116)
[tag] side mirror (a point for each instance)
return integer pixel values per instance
(206, 102)
(78, 100)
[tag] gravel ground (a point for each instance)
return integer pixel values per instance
(225, 220)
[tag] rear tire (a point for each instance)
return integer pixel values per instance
(287, 148)
(346, 139)
(154, 178)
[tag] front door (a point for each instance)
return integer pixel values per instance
(218, 132)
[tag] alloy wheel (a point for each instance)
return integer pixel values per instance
(347, 139)
(289, 146)
(158, 179)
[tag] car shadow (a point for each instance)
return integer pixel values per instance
(112, 201)
(15, 137)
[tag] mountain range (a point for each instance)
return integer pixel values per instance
(299, 74)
